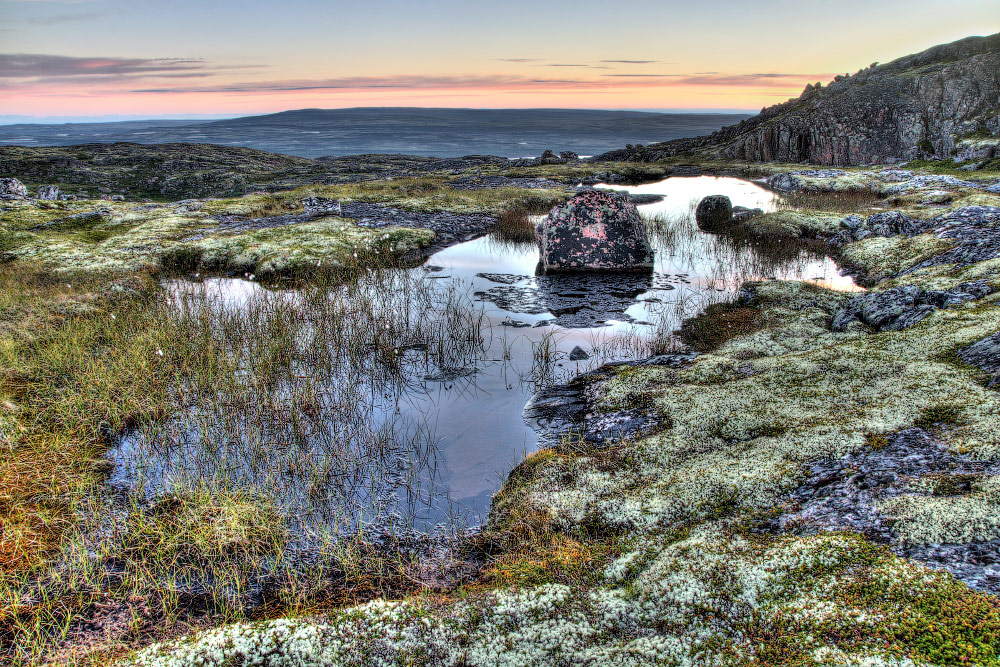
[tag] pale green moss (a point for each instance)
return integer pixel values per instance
(879, 257)
(793, 224)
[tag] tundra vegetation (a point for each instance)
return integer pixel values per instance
(658, 549)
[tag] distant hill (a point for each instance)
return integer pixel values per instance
(942, 102)
(403, 130)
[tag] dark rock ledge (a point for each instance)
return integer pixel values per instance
(842, 494)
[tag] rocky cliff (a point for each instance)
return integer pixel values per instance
(942, 102)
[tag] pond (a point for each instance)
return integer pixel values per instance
(398, 402)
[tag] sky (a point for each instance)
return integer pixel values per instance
(117, 59)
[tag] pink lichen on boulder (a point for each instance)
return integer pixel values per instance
(594, 231)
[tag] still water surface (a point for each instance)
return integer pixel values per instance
(467, 422)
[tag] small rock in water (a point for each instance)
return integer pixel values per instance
(503, 278)
(714, 212)
(578, 354)
(742, 213)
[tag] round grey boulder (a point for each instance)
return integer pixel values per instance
(714, 213)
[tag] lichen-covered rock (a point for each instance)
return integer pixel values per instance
(902, 307)
(11, 188)
(595, 231)
(985, 354)
(974, 232)
(890, 223)
(714, 213)
(321, 206)
(48, 192)
(569, 156)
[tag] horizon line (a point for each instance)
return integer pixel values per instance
(25, 119)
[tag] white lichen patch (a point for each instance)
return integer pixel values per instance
(697, 601)
(924, 519)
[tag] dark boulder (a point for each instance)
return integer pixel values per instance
(11, 188)
(984, 354)
(548, 157)
(595, 231)
(714, 213)
(578, 354)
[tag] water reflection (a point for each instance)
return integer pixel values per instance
(397, 401)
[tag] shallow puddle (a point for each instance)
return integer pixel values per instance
(442, 434)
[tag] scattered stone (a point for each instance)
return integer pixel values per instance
(595, 231)
(936, 197)
(502, 278)
(188, 206)
(67, 197)
(117, 197)
(714, 213)
(639, 200)
(889, 223)
(984, 354)
(318, 206)
(578, 354)
(11, 188)
(515, 324)
(793, 181)
(902, 307)
(549, 157)
(48, 192)
(920, 181)
(742, 213)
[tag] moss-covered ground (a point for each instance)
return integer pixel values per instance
(646, 552)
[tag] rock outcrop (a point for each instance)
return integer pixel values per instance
(902, 307)
(890, 223)
(11, 188)
(596, 230)
(922, 105)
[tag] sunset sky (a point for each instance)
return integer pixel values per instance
(135, 58)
